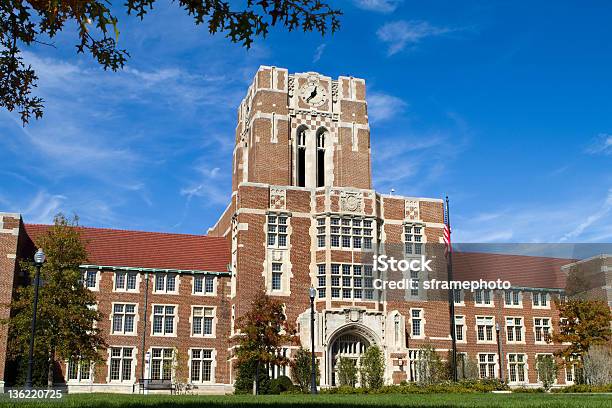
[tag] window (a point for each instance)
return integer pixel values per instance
(277, 231)
(78, 370)
(125, 281)
(163, 319)
(165, 283)
(570, 370)
(484, 328)
(301, 157)
(321, 157)
(90, 279)
(351, 233)
(516, 369)
(414, 283)
(277, 275)
(348, 281)
(459, 328)
(542, 329)
(483, 297)
(321, 280)
(417, 322)
(514, 329)
(161, 363)
(544, 359)
(486, 365)
(201, 365)
(512, 298)
(204, 284)
(121, 359)
(321, 241)
(202, 321)
(124, 315)
(413, 239)
(458, 296)
(540, 299)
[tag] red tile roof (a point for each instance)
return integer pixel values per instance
(139, 249)
(519, 270)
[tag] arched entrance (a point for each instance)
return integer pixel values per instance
(350, 342)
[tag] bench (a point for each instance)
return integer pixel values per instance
(157, 385)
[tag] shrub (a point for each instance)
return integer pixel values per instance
(301, 369)
(584, 388)
(246, 375)
(280, 385)
(547, 370)
(462, 387)
(372, 368)
(430, 368)
(525, 390)
(347, 372)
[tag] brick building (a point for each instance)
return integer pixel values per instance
(302, 213)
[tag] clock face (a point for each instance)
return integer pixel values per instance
(313, 94)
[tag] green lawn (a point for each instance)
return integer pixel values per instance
(328, 401)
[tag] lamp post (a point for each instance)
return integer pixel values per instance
(39, 259)
(499, 352)
(313, 375)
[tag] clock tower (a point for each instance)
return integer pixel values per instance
(304, 130)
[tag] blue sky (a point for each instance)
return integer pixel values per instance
(504, 106)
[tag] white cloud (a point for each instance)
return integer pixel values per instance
(591, 219)
(401, 33)
(43, 207)
(380, 6)
(382, 106)
(601, 145)
(318, 53)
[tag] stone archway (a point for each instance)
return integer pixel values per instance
(350, 342)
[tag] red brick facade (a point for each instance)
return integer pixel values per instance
(302, 214)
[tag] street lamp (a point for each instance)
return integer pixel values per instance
(499, 352)
(39, 259)
(313, 375)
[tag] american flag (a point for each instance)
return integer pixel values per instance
(447, 240)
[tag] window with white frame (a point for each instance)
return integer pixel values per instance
(124, 317)
(414, 283)
(417, 322)
(413, 239)
(165, 283)
(542, 360)
(570, 369)
(161, 363)
(540, 299)
(202, 321)
(121, 362)
(460, 328)
(201, 365)
(90, 279)
(277, 230)
(483, 297)
(514, 329)
(349, 281)
(512, 298)
(79, 370)
(203, 284)
(321, 280)
(125, 281)
(163, 319)
(484, 328)
(516, 367)
(458, 296)
(321, 230)
(277, 275)
(542, 329)
(350, 233)
(486, 365)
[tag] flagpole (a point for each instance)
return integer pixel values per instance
(451, 295)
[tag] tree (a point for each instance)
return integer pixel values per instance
(547, 370)
(301, 370)
(583, 323)
(67, 315)
(23, 23)
(430, 367)
(372, 368)
(347, 372)
(597, 365)
(467, 367)
(264, 330)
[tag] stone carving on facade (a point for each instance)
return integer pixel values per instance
(278, 198)
(412, 210)
(351, 201)
(334, 91)
(291, 85)
(353, 315)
